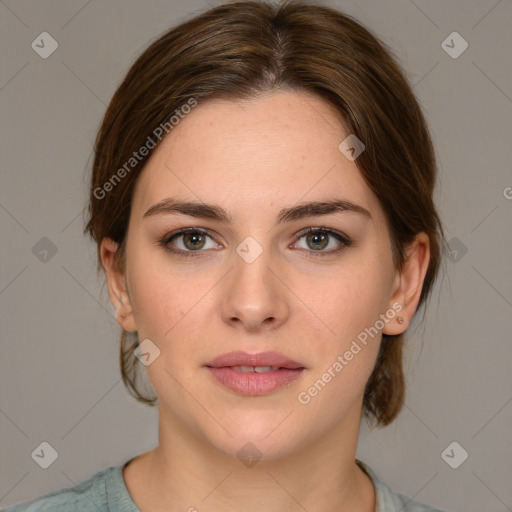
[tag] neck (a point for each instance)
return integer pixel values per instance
(185, 473)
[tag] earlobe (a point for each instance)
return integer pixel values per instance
(408, 285)
(117, 286)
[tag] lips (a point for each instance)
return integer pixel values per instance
(263, 359)
(254, 374)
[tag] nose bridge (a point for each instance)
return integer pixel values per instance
(254, 296)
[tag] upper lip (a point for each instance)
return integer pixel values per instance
(240, 358)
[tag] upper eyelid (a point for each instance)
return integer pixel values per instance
(183, 231)
(313, 229)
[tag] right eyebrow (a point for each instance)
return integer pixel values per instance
(201, 210)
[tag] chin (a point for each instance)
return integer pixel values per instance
(250, 452)
(259, 439)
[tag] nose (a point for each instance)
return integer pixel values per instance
(255, 298)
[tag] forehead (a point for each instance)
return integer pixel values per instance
(277, 149)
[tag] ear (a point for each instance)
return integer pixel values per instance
(408, 285)
(117, 286)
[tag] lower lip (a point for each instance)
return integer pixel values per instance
(252, 383)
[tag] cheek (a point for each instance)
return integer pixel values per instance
(352, 299)
(173, 310)
(349, 336)
(162, 300)
(170, 311)
(347, 351)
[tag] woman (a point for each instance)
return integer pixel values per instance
(261, 198)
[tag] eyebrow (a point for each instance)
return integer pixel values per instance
(170, 205)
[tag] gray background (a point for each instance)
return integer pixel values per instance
(59, 377)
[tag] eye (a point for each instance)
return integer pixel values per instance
(319, 239)
(189, 240)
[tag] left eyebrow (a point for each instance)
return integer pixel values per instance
(318, 208)
(213, 212)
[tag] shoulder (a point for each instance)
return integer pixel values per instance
(90, 495)
(390, 501)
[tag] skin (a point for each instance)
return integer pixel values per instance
(252, 159)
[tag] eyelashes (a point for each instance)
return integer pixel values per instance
(194, 242)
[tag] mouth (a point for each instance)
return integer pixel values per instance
(257, 369)
(254, 374)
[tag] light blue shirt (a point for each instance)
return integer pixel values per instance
(106, 492)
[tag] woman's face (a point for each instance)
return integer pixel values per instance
(249, 278)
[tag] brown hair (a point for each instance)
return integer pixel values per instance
(240, 50)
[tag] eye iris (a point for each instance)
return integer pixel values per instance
(318, 238)
(196, 239)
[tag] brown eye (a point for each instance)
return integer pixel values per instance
(317, 241)
(194, 241)
(322, 241)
